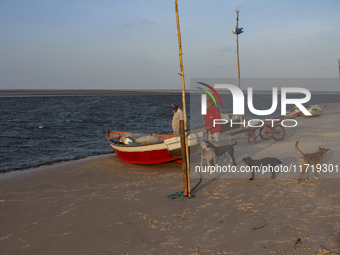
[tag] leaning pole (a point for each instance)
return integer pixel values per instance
(184, 140)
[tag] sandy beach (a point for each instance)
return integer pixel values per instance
(102, 205)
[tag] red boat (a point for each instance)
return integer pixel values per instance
(167, 148)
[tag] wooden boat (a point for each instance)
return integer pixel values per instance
(315, 110)
(166, 149)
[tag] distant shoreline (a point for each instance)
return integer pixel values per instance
(103, 92)
(81, 92)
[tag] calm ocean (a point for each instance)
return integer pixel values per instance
(47, 129)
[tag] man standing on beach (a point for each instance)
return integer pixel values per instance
(212, 113)
(178, 115)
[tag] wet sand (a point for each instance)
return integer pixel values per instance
(101, 205)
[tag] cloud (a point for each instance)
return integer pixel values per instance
(224, 48)
(325, 68)
(144, 21)
(128, 25)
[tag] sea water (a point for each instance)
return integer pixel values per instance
(36, 130)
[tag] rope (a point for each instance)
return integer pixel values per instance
(186, 130)
(180, 195)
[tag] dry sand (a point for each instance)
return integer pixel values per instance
(102, 205)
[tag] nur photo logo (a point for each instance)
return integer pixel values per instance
(204, 97)
(238, 102)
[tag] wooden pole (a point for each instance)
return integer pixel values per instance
(238, 56)
(184, 165)
(238, 64)
(185, 157)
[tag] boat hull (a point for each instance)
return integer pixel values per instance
(145, 157)
(155, 153)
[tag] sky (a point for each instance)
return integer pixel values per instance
(133, 44)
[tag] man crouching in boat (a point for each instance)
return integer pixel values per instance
(178, 115)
